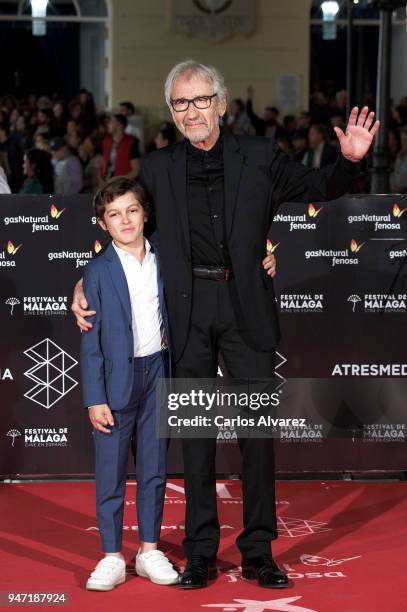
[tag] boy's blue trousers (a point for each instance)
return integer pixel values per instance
(135, 424)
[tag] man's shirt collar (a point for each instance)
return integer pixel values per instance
(215, 152)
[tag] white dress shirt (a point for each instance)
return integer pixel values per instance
(147, 323)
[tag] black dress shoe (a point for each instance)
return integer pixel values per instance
(266, 570)
(198, 571)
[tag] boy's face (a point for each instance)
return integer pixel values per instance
(124, 219)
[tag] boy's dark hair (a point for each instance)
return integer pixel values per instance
(116, 187)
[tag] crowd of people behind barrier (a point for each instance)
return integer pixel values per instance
(50, 146)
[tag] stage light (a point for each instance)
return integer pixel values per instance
(39, 9)
(329, 11)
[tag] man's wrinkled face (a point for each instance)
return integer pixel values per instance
(196, 124)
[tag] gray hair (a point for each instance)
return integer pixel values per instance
(192, 67)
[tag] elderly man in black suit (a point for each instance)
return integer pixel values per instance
(214, 197)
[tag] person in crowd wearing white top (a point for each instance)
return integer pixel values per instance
(122, 358)
(4, 186)
(135, 123)
(320, 152)
(67, 168)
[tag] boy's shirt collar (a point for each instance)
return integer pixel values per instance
(125, 254)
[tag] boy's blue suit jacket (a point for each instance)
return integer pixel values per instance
(107, 349)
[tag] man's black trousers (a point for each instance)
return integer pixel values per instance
(213, 329)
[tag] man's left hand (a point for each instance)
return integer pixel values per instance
(359, 135)
(269, 264)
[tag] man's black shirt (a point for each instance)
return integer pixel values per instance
(206, 205)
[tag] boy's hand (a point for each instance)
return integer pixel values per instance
(100, 416)
(79, 305)
(269, 264)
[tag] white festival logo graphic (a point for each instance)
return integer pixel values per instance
(49, 373)
(315, 560)
(289, 527)
(13, 433)
(12, 302)
(354, 299)
(281, 361)
(253, 605)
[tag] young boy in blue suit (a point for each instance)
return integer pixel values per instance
(122, 357)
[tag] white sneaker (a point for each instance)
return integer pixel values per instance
(108, 573)
(155, 566)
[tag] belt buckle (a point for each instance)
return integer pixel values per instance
(220, 274)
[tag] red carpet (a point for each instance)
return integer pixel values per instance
(344, 545)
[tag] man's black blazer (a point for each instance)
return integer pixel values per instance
(258, 178)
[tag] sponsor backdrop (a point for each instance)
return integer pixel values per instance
(342, 297)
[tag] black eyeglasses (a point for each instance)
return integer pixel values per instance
(182, 104)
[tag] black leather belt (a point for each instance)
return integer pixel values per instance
(216, 273)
